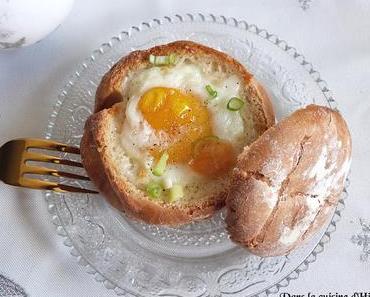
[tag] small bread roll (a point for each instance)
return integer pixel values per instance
(287, 183)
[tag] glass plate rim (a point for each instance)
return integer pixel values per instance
(193, 18)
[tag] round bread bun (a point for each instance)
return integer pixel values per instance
(287, 183)
(104, 162)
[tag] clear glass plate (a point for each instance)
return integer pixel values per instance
(136, 259)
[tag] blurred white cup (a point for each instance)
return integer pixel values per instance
(24, 22)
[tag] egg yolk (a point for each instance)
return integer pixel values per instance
(185, 120)
(212, 156)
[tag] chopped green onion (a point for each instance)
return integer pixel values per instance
(154, 190)
(160, 167)
(176, 192)
(172, 59)
(151, 59)
(235, 104)
(211, 92)
(162, 60)
(167, 182)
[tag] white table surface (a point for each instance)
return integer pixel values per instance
(333, 35)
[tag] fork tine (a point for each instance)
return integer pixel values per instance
(47, 185)
(32, 156)
(66, 188)
(13, 158)
(51, 145)
(53, 172)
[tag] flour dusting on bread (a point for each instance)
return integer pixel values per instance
(305, 159)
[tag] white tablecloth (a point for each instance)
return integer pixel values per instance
(333, 35)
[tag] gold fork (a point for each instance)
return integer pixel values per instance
(14, 158)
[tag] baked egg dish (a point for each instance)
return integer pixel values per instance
(183, 125)
(169, 125)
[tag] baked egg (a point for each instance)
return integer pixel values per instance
(184, 124)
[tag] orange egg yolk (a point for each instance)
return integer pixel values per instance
(212, 156)
(186, 121)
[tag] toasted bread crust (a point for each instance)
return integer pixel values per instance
(93, 164)
(277, 179)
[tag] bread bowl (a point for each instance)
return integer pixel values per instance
(117, 174)
(287, 183)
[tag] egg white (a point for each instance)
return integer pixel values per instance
(137, 135)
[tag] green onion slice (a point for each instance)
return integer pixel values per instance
(160, 167)
(235, 104)
(153, 190)
(176, 192)
(162, 60)
(211, 92)
(167, 183)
